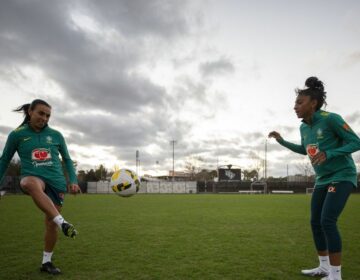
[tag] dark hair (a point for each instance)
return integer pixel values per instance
(25, 109)
(315, 89)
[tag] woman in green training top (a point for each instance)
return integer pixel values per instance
(38, 147)
(328, 141)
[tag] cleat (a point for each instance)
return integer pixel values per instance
(69, 230)
(49, 268)
(318, 271)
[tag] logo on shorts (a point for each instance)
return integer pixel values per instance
(312, 150)
(332, 189)
(41, 154)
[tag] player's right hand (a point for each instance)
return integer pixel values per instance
(275, 134)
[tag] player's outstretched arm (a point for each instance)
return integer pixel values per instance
(275, 134)
(291, 146)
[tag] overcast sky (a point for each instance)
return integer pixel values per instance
(216, 76)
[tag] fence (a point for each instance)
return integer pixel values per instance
(147, 187)
(246, 186)
(12, 185)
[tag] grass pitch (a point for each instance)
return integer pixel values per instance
(173, 237)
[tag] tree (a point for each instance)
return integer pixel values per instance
(306, 169)
(206, 175)
(14, 168)
(91, 176)
(81, 176)
(101, 172)
(192, 166)
(250, 175)
(257, 164)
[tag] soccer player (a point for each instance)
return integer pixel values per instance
(328, 141)
(42, 177)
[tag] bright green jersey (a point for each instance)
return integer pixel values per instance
(39, 155)
(329, 133)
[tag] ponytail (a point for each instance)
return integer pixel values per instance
(29, 106)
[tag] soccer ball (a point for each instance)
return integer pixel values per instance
(125, 182)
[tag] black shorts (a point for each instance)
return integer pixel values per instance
(57, 196)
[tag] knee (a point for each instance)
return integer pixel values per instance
(328, 224)
(315, 224)
(32, 184)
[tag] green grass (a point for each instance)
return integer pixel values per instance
(173, 237)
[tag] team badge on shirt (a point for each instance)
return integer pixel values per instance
(48, 139)
(312, 150)
(41, 157)
(319, 134)
(41, 154)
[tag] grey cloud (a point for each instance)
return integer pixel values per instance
(353, 118)
(217, 67)
(5, 130)
(107, 100)
(351, 59)
(141, 17)
(92, 76)
(86, 70)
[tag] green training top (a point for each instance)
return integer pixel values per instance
(329, 133)
(39, 155)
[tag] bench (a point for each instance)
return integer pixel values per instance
(281, 191)
(250, 191)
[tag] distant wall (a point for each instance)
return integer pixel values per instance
(147, 187)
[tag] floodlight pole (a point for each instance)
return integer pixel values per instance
(287, 174)
(265, 162)
(137, 162)
(172, 142)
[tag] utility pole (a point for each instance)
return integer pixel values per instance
(287, 174)
(265, 162)
(137, 162)
(172, 142)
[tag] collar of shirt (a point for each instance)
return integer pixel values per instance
(30, 128)
(314, 118)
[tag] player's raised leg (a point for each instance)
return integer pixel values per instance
(35, 187)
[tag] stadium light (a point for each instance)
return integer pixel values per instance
(137, 161)
(265, 160)
(172, 142)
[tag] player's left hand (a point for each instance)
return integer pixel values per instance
(319, 158)
(74, 188)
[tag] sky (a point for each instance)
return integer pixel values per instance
(214, 76)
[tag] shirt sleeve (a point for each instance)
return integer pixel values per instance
(69, 164)
(351, 142)
(8, 152)
(293, 147)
